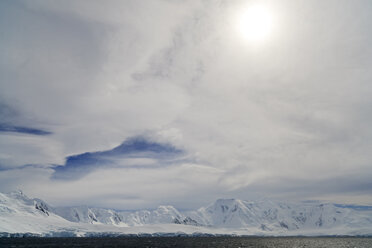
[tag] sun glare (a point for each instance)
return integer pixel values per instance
(255, 23)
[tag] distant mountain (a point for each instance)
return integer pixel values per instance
(161, 215)
(274, 216)
(20, 214)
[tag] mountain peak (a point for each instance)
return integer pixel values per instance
(18, 194)
(226, 204)
(166, 208)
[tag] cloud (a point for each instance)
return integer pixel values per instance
(277, 118)
(135, 152)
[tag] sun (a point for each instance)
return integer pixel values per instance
(255, 23)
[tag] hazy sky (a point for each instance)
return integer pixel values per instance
(175, 106)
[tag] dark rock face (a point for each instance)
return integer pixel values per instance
(284, 225)
(177, 221)
(92, 217)
(42, 207)
(187, 221)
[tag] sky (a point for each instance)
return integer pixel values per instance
(132, 104)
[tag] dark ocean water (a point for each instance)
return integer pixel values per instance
(216, 242)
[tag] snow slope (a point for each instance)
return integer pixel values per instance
(20, 214)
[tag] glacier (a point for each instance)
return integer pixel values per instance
(21, 215)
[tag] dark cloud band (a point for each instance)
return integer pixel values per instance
(24, 130)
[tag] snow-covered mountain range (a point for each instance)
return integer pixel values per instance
(20, 214)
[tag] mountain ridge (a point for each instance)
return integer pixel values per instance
(18, 214)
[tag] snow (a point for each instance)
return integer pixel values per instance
(20, 214)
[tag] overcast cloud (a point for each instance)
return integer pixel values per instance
(288, 118)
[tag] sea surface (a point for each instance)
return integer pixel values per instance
(215, 242)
